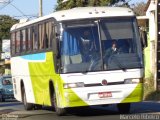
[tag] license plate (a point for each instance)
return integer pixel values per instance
(104, 94)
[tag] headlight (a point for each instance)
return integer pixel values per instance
(73, 85)
(128, 81)
(133, 81)
(136, 81)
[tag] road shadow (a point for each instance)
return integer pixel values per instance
(9, 103)
(136, 108)
(145, 107)
(6, 111)
(89, 111)
(9, 100)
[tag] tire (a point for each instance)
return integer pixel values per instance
(59, 111)
(27, 106)
(124, 108)
(37, 107)
(1, 99)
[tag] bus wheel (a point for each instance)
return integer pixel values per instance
(37, 107)
(59, 111)
(124, 108)
(27, 106)
(2, 99)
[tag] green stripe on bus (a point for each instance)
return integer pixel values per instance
(41, 73)
(136, 95)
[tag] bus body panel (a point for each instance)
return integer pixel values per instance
(80, 13)
(120, 93)
(33, 61)
(41, 70)
(91, 97)
(20, 72)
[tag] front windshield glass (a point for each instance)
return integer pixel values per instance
(110, 44)
(79, 47)
(7, 81)
(120, 44)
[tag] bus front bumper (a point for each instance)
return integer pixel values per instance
(88, 96)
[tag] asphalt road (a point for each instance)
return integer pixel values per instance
(143, 110)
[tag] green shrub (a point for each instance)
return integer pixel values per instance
(149, 92)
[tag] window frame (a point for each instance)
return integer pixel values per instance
(29, 46)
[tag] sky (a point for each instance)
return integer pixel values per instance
(18, 8)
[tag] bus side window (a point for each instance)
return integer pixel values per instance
(17, 41)
(42, 46)
(32, 38)
(23, 38)
(13, 43)
(50, 34)
(47, 35)
(29, 39)
(35, 38)
(45, 41)
(40, 36)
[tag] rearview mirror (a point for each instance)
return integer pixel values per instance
(143, 38)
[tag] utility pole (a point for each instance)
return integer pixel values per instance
(156, 77)
(40, 8)
(158, 42)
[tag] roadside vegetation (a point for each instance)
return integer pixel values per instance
(150, 94)
(6, 23)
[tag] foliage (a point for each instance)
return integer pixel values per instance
(148, 86)
(84, 3)
(5, 24)
(139, 8)
(150, 94)
(153, 96)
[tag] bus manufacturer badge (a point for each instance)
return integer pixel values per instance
(104, 82)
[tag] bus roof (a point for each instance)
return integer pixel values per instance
(80, 13)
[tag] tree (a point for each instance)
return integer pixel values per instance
(6, 23)
(68, 4)
(139, 8)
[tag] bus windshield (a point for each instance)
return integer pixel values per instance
(110, 44)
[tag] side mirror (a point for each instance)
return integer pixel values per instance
(143, 37)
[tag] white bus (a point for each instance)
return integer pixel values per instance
(78, 57)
